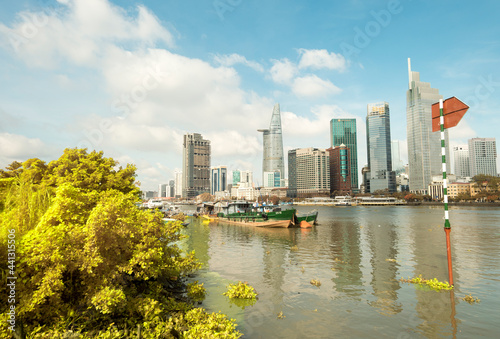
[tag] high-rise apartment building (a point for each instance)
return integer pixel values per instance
(424, 146)
(218, 179)
(178, 184)
(378, 141)
(308, 172)
(340, 170)
(483, 156)
(343, 131)
(196, 166)
(273, 159)
(461, 159)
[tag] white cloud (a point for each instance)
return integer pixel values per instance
(313, 86)
(14, 147)
(80, 33)
(234, 59)
(321, 58)
(283, 71)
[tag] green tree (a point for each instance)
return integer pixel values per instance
(86, 257)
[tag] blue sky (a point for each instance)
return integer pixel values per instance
(131, 77)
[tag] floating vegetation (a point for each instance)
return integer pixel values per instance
(281, 315)
(294, 248)
(241, 291)
(316, 283)
(391, 260)
(432, 283)
(302, 269)
(340, 261)
(471, 300)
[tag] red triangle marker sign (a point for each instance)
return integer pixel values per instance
(453, 111)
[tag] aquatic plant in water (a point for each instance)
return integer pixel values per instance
(316, 283)
(471, 300)
(241, 290)
(432, 283)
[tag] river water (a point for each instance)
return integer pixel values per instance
(358, 254)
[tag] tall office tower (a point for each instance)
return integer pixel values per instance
(340, 174)
(343, 131)
(397, 164)
(171, 189)
(424, 146)
(308, 172)
(462, 163)
(218, 179)
(236, 176)
(178, 184)
(196, 166)
(378, 141)
(483, 156)
(273, 145)
(162, 190)
(272, 179)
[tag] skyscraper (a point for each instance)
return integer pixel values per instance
(340, 174)
(462, 163)
(378, 141)
(343, 131)
(218, 179)
(483, 156)
(273, 145)
(196, 166)
(308, 172)
(397, 164)
(424, 146)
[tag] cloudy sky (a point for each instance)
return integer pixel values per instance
(132, 77)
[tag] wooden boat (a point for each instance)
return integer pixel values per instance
(244, 213)
(267, 223)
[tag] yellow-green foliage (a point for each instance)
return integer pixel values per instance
(86, 258)
(196, 291)
(432, 283)
(471, 300)
(241, 291)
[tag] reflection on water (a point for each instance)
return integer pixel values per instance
(358, 254)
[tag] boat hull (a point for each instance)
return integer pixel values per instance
(266, 223)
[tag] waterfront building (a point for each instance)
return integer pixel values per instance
(195, 165)
(378, 141)
(308, 172)
(340, 174)
(218, 179)
(456, 189)
(272, 179)
(343, 131)
(424, 146)
(162, 190)
(461, 159)
(178, 184)
(273, 159)
(246, 177)
(170, 189)
(483, 156)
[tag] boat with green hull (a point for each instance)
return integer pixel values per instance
(244, 212)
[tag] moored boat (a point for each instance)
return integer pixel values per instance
(244, 213)
(310, 217)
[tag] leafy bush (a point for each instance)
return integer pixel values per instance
(241, 291)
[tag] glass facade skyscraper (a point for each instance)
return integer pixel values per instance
(343, 131)
(218, 179)
(424, 146)
(273, 159)
(462, 163)
(378, 140)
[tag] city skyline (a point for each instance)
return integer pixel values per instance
(131, 78)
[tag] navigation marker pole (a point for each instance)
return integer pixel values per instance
(447, 226)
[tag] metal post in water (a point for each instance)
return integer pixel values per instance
(447, 226)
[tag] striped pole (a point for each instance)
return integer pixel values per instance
(447, 226)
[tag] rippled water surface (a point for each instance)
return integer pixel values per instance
(358, 254)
